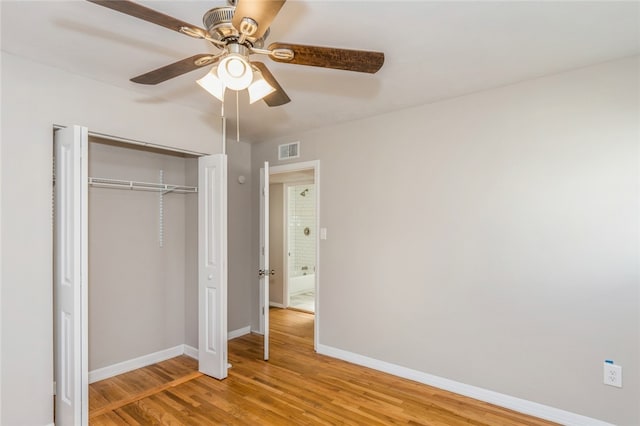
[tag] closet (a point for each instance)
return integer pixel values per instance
(143, 253)
(140, 261)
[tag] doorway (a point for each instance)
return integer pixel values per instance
(294, 235)
(293, 230)
(301, 249)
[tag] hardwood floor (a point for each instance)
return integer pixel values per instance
(295, 387)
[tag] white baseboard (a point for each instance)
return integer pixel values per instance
(277, 305)
(143, 361)
(239, 332)
(191, 352)
(517, 404)
(133, 364)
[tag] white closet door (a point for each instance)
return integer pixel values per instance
(265, 272)
(70, 282)
(212, 265)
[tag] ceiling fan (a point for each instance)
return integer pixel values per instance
(239, 30)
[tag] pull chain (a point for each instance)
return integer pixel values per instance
(224, 129)
(237, 116)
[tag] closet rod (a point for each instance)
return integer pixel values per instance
(136, 142)
(141, 186)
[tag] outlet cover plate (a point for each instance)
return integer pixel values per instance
(612, 375)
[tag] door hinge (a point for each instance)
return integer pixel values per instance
(265, 272)
(54, 388)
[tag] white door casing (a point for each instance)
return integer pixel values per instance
(71, 276)
(212, 265)
(264, 272)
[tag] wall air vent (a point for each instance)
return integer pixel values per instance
(289, 150)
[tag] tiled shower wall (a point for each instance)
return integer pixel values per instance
(301, 213)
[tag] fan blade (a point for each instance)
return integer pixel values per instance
(142, 12)
(329, 57)
(262, 12)
(173, 70)
(277, 98)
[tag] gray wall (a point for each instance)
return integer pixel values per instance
(31, 104)
(191, 260)
(137, 287)
(491, 239)
(242, 277)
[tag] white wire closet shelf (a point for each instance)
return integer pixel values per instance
(141, 186)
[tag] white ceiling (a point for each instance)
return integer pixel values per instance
(434, 50)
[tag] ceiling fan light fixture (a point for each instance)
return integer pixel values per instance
(259, 88)
(212, 84)
(235, 71)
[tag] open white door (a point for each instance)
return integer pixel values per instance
(71, 276)
(212, 265)
(264, 273)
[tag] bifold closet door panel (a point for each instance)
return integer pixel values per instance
(212, 265)
(70, 281)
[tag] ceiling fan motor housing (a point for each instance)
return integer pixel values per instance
(218, 22)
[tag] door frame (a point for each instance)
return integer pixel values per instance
(264, 272)
(296, 167)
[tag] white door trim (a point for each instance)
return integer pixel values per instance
(285, 245)
(315, 166)
(265, 268)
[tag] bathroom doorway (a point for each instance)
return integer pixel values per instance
(293, 229)
(301, 251)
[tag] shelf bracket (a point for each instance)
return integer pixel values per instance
(161, 212)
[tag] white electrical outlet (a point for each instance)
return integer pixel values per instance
(323, 233)
(612, 375)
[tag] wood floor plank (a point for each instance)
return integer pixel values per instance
(108, 419)
(295, 387)
(143, 394)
